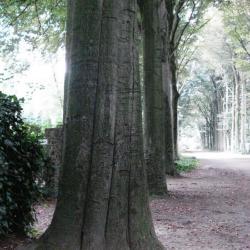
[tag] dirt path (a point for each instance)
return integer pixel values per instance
(208, 208)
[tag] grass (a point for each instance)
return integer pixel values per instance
(186, 164)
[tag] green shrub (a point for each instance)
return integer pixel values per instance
(186, 164)
(21, 161)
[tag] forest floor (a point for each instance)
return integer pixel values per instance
(208, 208)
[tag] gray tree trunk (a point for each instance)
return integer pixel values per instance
(154, 107)
(172, 21)
(169, 118)
(103, 200)
(175, 100)
(169, 81)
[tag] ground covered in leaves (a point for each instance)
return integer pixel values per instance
(208, 208)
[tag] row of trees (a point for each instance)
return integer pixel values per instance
(103, 193)
(166, 34)
(219, 80)
(170, 28)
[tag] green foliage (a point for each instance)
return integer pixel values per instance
(186, 164)
(236, 18)
(40, 23)
(21, 161)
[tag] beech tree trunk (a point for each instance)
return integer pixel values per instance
(167, 70)
(153, 96)
(172, 20)
(103, 199)
(175, 110)
(174, 97)
(169, 118)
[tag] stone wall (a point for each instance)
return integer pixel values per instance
(54, 137)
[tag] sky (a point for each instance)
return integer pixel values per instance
(41, 86)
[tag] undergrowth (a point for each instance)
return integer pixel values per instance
(186, 164)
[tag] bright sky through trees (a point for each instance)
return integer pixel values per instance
(41, 85)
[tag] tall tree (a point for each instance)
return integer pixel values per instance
(154, 107)
(103, 201)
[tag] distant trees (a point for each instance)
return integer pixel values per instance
(236, 18)
(167, 34)
(220, 79)
(184, 19)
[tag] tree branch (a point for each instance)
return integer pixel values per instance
(240, 40)
(178, 39)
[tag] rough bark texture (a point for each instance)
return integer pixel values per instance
(172, 20)
(175, 101)
(103, 199)
(154, 107)
(54, 150)
(171, 94)
(169, 130)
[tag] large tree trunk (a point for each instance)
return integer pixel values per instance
(103, 200)
(153, 97)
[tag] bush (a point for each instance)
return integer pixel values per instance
(21, 161)
(186, 164)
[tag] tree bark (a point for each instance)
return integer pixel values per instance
(243, 116)
(153, 97)
(103, 199)
(175, 100)
(169, 118)
(172, 20)
(170, 91)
